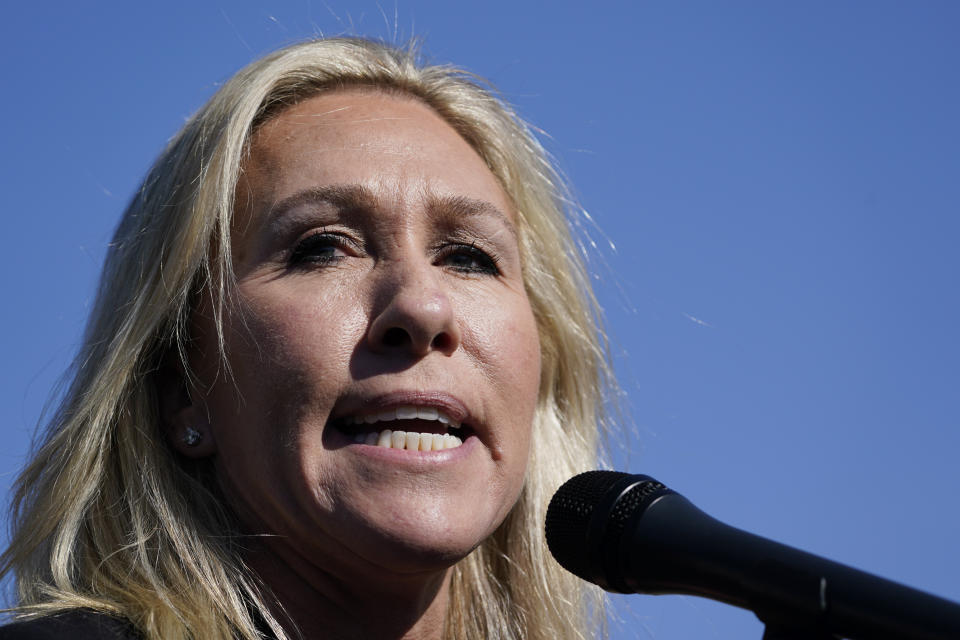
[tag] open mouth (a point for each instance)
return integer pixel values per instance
(413, 428)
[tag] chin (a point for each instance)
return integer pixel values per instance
(408, 556)
(409, 547)
(416, 536)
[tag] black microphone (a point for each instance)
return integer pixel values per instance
(631, 534)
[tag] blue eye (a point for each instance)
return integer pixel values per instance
(467, 258)
(319, 248)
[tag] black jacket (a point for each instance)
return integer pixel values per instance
(71, 625)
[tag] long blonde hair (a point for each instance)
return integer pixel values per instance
(106, 516)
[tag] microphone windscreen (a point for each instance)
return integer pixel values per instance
(587, 516)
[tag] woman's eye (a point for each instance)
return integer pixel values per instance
(467, 258)
(319, 248)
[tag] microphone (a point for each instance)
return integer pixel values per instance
(631, 534)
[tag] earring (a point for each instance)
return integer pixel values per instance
(192, 437)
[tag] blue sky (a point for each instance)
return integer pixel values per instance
(779, 180)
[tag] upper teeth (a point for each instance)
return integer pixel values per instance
(404, 413)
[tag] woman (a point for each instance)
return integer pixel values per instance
(343, 352)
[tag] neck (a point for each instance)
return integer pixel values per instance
(311, 602)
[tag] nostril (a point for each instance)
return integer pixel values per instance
(442, 342)
(396, 337)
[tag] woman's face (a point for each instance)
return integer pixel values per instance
(379, 289)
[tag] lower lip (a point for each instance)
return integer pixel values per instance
(403, 456)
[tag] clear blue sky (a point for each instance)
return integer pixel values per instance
(781, 181)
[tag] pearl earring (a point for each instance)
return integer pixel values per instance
(192, 437)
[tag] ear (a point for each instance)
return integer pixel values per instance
(185, 423)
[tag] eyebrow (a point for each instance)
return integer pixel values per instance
(344, 196)
(360, 198)
(456, 206)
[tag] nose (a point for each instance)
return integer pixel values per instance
(414, 315)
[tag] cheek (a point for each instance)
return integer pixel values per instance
(508, 337)
(289, 356)
(523, 340)
(307, 333)
(504, 341)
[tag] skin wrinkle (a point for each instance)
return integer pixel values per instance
(348, 531)
(445, 209)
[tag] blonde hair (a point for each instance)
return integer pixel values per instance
(106, 516)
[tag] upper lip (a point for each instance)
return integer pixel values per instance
(363, 405)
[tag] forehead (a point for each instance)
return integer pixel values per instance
(392, 146)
